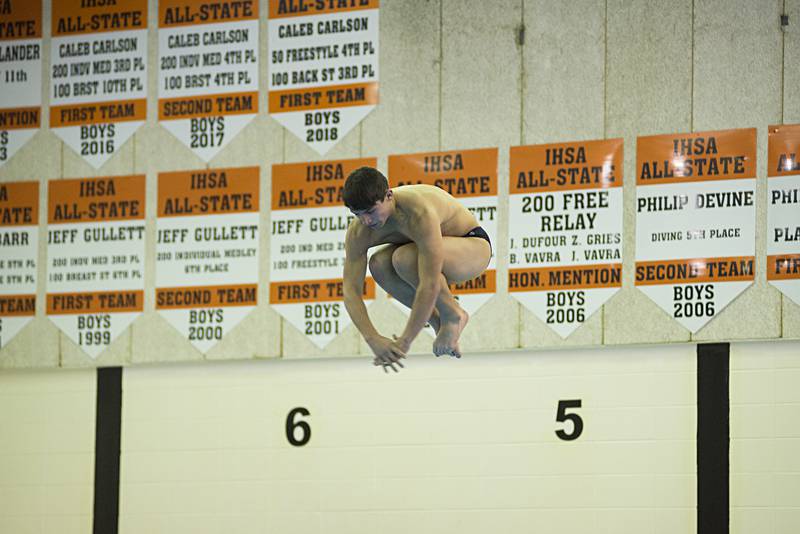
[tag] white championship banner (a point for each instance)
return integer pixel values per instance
(309, 221)
(695, 221)
(783, 210)
(323, 67)
(98, 83)
(95, 257)
(471, 177)
(207, 71)
(20, 74)
(565, 229)
(207, 251)
(19, 251)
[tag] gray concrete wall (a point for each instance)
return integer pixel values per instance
(455, 75)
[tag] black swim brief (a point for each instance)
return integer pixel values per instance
(478, 231)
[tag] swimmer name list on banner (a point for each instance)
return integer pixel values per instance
(207, 251)
(323, 67)
(19, 250)
(95, 257)
(309, 222)
(20, 74)
(783, 210)
(565, 229)
(471, 177)
(695, 221)
(208, 71)
(98, 83)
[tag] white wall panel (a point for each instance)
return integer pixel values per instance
(47, 451)
(765, 436)
(444, 446)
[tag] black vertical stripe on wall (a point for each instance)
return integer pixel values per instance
(713, 438)
(106, 455)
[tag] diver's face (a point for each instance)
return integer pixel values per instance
(376, 216)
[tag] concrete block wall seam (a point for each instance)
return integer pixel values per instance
(410, 101)
(575, 97)
(722, 100)
(481, 68)
(36, 345)
(644, 40)
(790, 114)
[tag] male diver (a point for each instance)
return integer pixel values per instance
(431, 240)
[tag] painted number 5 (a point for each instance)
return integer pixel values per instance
(562, 416)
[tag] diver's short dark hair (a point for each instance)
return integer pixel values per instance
(363, 188)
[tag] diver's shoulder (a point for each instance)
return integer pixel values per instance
(356, 233)
(415, 188)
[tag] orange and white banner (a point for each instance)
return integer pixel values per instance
(19, 246)
(20, 74)
(309, 221)
(95, 257)
(207, 251)
(208, 71)
(98, 83)
(695, 221)
(471, 177)
(323, 67)
(565, 229)
(783, 212)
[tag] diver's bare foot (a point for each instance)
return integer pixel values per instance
(446, 341)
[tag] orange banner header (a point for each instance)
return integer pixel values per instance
(334, 96)
(19, 204)
(696, 157)
(783, 267)
(313, 184)
(784, 150)
(462, 173)
(314, 291)
(485, 283)
(173, 13)
(690, 271)
(567, 277)
(192, 107)
(17, 305)
(566, 166)
(95, 302)
(102, 112)
(303, 8)
(76, 17)
(21, 19)
(208, 192)
(20, 118)
(206, 296)
(80, 200)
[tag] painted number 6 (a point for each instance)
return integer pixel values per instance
(291, 426)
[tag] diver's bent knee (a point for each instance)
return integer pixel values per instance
(404, 261)
(380, 264)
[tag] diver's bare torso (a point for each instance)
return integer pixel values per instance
(414, 202)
